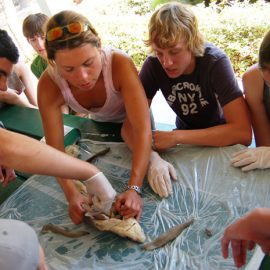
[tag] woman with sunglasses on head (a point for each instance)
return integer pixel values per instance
(102, 81)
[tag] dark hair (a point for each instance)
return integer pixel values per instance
(264, 52)
(68, 41)
(34, 24)
(7, 47)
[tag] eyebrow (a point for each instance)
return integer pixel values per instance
(88, 60)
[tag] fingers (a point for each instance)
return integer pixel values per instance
(245, 159)
(7, 176)
(2, 178)
(118, 203)
(239, 153)
(76, 214)
(129, 204)
(172, 171)
(76, 211)
(242, 162)
(251, 245)
(168, 183)
(160, 186)
(239, 250)
(225, 247)
(250, 167)
(10, 177)
(138, 217)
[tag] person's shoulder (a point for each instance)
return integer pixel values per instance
(213, 52)
(252, 72)
(252, 76)
(48, 88)
(19, 68)
(46, 80)
(111, 51)
(115, 56)
(151, 59)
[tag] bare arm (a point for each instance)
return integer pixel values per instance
(11, 97)
(26, 77)
(50, 102)
(136, 131)
(253, 87)
(237, 129)
(137, 128)
(244, 233)
(28, 155)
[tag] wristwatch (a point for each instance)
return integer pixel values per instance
(136, 188)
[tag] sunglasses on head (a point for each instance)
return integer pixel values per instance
(72, 28)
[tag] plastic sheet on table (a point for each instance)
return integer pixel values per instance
(208, 189)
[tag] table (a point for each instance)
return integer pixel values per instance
(208, 189)
(28, 121)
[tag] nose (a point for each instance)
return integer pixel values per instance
(83, 74)
(40, 43)
(167, 61)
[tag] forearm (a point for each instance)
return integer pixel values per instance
(11, 97)
(140, 145)
(31, 97)
(28, 155)
(221, 135)
(140, 160)
(68, 187)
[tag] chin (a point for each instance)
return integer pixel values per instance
(43, 55)
(173, 75)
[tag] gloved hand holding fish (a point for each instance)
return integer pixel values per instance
(100, 212)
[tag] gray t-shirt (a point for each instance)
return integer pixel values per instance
(197, 98)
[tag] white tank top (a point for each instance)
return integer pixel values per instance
(113, 109)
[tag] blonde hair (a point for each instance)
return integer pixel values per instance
(171, 23)
(68, 40)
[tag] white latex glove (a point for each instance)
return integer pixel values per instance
(159, 175)
(101, 192)
(6, 175)
(252, 158)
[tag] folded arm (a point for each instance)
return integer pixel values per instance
(236, 130)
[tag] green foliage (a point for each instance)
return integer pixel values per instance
(139, 7)
(237, 29)
(156, 3)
